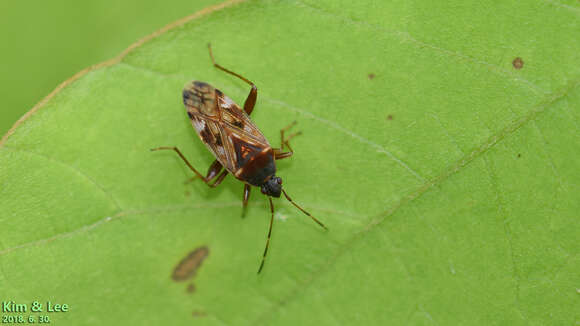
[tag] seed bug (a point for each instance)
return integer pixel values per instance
(237, 144)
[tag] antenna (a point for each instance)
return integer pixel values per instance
(303, 211)
(269, 233)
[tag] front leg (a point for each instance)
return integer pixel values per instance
(279, 152)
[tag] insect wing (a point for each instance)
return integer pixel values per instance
(223, 126)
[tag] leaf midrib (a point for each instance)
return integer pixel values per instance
(440, 179)
(531, 115)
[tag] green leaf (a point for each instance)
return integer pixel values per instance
(447, 176)
(52, 40)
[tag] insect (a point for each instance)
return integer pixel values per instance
(238, 145)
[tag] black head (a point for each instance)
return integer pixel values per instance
(272, 187)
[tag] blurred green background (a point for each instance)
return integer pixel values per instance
(46, 42)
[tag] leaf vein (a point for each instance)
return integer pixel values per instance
(349, 133)
(70, 167)
(507, 231)
(407, 37)
(445, 175)
(561, 5)
(148, 210)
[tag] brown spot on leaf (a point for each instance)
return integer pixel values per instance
(197, 314)
(519, 155)
(189, 265)
(190, 288)
(371, 76)
(390, 117)
(518, 63)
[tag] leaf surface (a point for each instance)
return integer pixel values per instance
(448, 178)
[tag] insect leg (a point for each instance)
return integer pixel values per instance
(213, 170)
(218, 181)
(269, 233)
(285, 141)
(247, 189)
(251, 99)
(279, 152)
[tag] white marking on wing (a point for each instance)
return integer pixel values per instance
(199, 125)
(227, 102)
